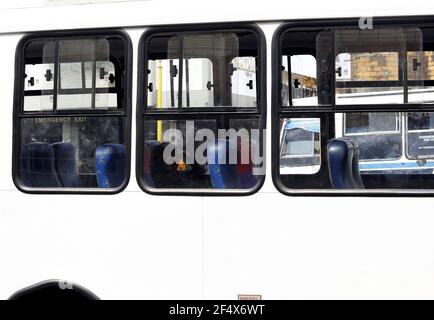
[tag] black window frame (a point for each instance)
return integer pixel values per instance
(19, 113)
(327, 112)
(195, 113)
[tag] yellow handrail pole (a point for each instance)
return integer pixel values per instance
(160, 101)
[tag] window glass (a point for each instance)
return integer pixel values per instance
(202, 125)
(370, 65)
(86, 150)
(301, 86)
(38, 75)
(300, 146)
(420, 135)
(68, 152)
(201, 154)
(340, 145)
(368, 123)
(378, 135)
(196, 90)
(213, 72)
(87, 77)
(243, 82)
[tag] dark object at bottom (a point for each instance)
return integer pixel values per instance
(54, 290)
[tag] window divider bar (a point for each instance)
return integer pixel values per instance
(181, 71)
(56, 74)
(93, 82)
(360, 108)
(76, 113)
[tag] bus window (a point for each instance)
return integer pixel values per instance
(201, 134)
(72, 128)
(374, 129)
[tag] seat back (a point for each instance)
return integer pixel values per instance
(355, 167)
(224, 175)
(343, 165)
(65, 164)
(157, 173)
(37, 166)
(110, 165)
(245, 170)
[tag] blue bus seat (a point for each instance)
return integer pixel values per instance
(157, 173)
(37, 166)
(355, 166)
(342, 156)
(65, 164)
(150, 165)
(110, 165)
(245, 170)
(224, 175)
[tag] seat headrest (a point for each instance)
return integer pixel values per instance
(65, 164)
(110, 165)
(37, 166)
(157, 172)
(342, 155)
(223, 172)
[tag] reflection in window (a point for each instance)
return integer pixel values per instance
(201, 154)
(368, 77)
(212, 71)
(218, 143)
(59, 150)
(420, 135)
(377, 134)
(72, 152)
(364, 123)
(301, 86)
(300, 146)
(87, 77)
(387, 65)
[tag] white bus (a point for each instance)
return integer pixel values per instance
(117, 125)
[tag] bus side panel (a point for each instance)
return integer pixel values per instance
(126, 246)
(319, 248)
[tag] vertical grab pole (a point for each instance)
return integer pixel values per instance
(160, 101)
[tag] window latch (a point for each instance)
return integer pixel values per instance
(250, 84)
(150, 87)
(48, 75)
(102, 73)
(174, 71)
(112, 78)
(416, 64)
(296, 83)
(209, 85)
(339, 71)
(31, 81)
